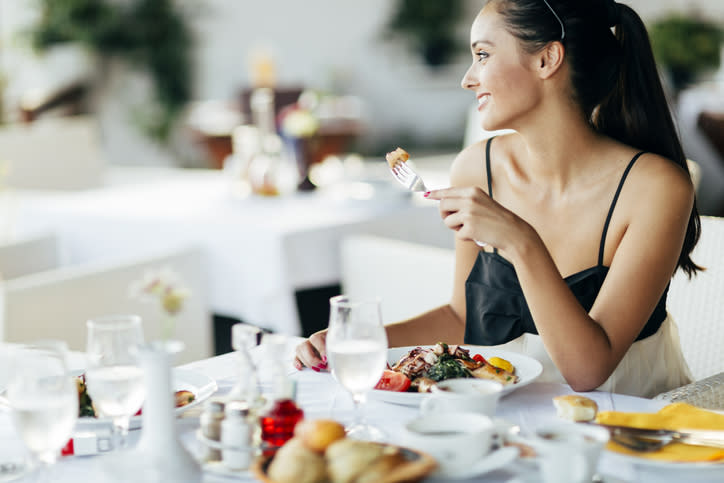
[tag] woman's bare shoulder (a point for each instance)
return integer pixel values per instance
(468, 168)
(659, 185)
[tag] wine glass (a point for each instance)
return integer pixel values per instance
(357, 352)
(114, 378)
(43, 399)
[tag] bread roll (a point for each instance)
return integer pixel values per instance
(318, 434)
(295, 463)
(573, 407)
(348, 458)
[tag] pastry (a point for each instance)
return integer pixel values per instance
(318, 434)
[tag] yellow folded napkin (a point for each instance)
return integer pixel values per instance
(676, 416)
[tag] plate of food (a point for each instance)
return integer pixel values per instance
(414, 370)
(191, 389)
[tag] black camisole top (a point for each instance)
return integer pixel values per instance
(496, 310)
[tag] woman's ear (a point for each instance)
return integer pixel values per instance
(550, 59)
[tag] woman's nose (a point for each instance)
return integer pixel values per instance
(468, 81)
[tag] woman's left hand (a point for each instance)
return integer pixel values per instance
(474, 216)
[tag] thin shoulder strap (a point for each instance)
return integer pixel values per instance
(613, 205)
(487, 167)
(490, 176)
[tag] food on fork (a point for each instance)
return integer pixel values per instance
(573, 407)
(425, 366)
(399, 155)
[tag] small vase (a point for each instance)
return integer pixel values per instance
(159, 455)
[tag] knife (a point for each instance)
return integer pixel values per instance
(698, 437)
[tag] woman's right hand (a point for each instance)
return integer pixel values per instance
(312, 352)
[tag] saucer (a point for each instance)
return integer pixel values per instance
(491, 462)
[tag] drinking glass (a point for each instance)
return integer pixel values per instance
(43, 400)
(357, 353)
(114, 378)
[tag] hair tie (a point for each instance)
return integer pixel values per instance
(613, 12)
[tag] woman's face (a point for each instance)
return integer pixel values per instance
(501, 74)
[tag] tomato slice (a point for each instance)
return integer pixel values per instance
(393, 381)
(479, 358)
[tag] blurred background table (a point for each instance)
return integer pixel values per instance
(264, 257)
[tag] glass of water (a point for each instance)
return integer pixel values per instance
(357, 352)
(43, 399)
(114, 378)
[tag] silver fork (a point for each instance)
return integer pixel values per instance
(413, 182)
(408, 177)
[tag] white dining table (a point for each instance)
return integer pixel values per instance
(321, 397)
(258, 251)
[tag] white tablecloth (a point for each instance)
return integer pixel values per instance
(258, 250)
(320, 396)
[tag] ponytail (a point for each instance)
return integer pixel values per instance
(636, 112)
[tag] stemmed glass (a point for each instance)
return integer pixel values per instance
(357, 352)
(114, 378)
(43, 400)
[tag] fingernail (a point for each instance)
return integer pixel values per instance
(427, 193)
(323, 365)
(324, 359)
(315, 369)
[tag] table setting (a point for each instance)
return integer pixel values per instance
(253, 416)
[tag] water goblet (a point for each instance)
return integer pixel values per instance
(43, 400)
(114, 377)
(357, 352)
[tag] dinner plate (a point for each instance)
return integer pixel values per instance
(526, 368)
(668, 466)
(183, 379)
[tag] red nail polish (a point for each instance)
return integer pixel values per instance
(315, 369)
(427, 193)
(324, 359)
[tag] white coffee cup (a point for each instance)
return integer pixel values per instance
(455, 439)
(569, 452)
(463, 395)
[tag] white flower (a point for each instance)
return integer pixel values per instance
(300, 123)
(163, 284)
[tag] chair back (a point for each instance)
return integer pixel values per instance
(409, 277)
(697, 305)
(28, 255)
(57, 303)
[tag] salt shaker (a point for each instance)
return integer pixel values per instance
(236, 436)
(210, 421)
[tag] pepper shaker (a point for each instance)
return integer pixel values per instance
(210, 421)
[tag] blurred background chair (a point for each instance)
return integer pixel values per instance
(61, 153)
(23, 256)
(409, 277)
(56, 303)
(697, 305)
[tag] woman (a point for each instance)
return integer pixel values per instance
(587, 209)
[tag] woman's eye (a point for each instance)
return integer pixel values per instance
(481, 55)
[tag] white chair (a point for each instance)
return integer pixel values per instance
(57, 303)
(28, 255)
(697, 305)
(410, 278)
(55, 153)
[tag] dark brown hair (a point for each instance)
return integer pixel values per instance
(613, 75)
